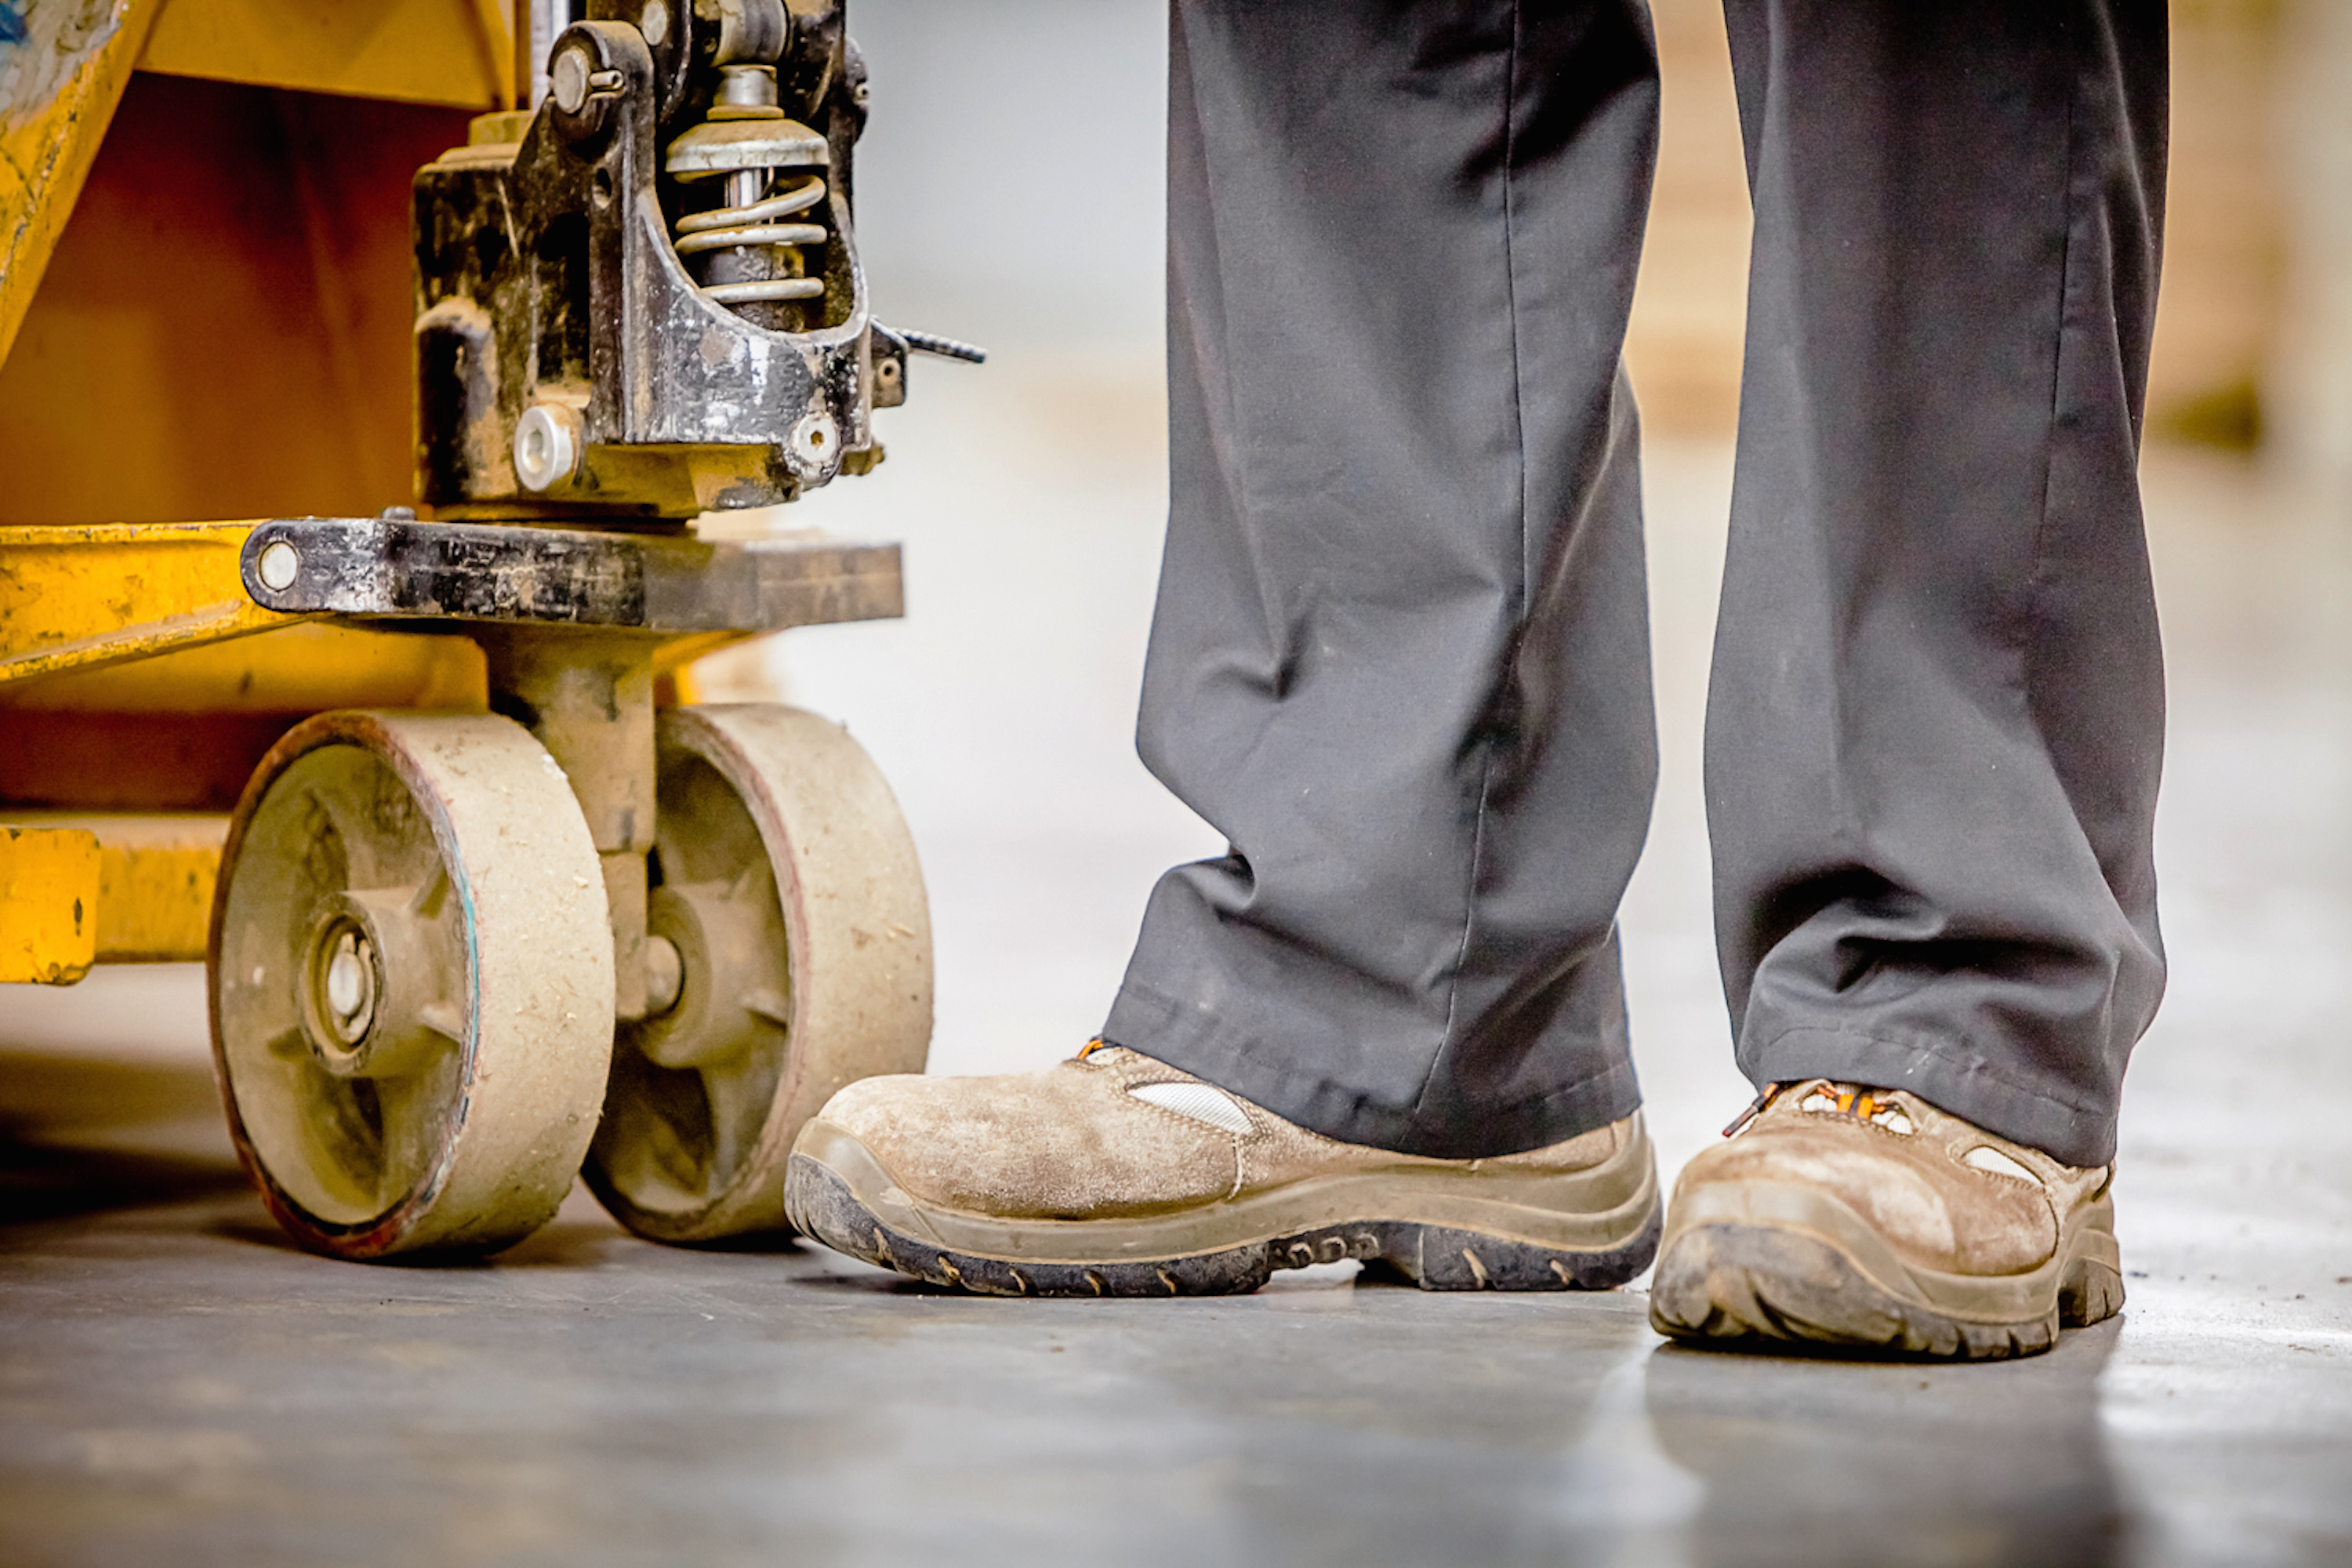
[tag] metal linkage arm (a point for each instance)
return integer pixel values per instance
(403, 569)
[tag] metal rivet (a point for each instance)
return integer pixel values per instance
(280, 561)
(653, 23)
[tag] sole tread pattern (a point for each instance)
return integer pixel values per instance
(1719, 1283)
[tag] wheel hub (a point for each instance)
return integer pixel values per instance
(345, 980)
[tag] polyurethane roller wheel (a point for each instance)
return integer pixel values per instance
(412, 982)
(786, 885)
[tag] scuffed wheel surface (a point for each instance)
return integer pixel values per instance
(412, 982)
(784, 878)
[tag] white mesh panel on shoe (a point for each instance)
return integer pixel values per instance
(1199, 1101)
(1984, 1157)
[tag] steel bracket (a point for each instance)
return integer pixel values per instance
(395, 568)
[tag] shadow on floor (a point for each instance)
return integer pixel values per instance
(80, 1135)
(37, 1182)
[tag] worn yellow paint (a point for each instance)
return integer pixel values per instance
(145, 886)
(77, 597)
(155, 877)
(458, 52)
(299, 668)
(57, 92)
(48, 904)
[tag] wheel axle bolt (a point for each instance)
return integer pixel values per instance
(665, 974)
(350, 985)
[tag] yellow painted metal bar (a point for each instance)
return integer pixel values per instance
(71, 597)
(48, 904)
(458, 52)
(155, 888)
(300, 668)
(155, 877)
(58, 86)
(143, 883)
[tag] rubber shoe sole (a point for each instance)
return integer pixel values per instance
(1439, 1229)
(1779, 1261)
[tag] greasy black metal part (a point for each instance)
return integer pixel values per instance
(889, 367)
(891, 348)
(400, 569)
(546, 273)
(945, 348)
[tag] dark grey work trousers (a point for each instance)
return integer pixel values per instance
(1400, 654)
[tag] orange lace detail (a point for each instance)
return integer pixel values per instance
(1850, 1100)
(1877, 1107)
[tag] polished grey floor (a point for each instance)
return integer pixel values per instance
(176, 1384)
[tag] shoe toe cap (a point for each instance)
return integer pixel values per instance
(1935, 1212)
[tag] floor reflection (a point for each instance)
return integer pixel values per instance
(1810, 1461)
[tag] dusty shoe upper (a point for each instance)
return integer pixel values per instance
(1118, 1174)
(1860, 1215)
(1110, 1134)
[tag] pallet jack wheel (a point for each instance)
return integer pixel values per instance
(786, 887)
(412, 982)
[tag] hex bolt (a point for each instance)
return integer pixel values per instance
(280, 564)
(547, 446)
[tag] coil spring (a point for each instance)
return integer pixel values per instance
(754, 222)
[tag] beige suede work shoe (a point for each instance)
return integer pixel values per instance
(1866, 1218)
(1115, 1174)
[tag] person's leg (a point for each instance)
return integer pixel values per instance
(1937, 714)
(1400, 655)
(1937, 707)
(1401, 660)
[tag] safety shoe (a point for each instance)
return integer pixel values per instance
(1866, 1218)
(1115, 1174)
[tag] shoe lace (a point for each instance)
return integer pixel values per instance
(1876, 1106)
(1764, 1097)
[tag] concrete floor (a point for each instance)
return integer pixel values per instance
(177, 1384)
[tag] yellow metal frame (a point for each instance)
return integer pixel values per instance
(78, 602)
(456, 52)
(121, 623)
(48, 904)
(75, 598)
(46, 150)
(79, 605)
(105, 890)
